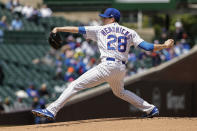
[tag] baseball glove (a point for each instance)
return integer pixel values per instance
(55, 40)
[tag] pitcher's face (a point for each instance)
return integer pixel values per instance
(107, 20)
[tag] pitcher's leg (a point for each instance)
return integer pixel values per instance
(119, 91)
(89, 79)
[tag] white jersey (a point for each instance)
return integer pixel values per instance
(113, 40)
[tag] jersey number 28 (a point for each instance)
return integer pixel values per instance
(122, 43)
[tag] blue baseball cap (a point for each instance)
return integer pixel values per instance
(111, 12)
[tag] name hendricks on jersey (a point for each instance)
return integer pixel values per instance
(120, 30)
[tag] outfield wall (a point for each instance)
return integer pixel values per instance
(171, 86)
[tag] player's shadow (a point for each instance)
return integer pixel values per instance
(87, 121)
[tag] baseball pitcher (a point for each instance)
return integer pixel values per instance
(114, 43)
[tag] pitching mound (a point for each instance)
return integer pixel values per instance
(115, 124)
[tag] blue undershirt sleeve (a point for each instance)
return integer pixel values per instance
(146, 46)
(82, 30)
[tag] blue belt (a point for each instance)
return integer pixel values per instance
(113, 59)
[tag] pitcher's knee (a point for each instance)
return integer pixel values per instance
(75, 86)
(119, 93)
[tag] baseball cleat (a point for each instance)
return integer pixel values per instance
(153, 113)
(43, 113)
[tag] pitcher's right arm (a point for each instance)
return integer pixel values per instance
(156, 47)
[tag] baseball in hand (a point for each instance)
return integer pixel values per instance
(169, 43)
(54, 30)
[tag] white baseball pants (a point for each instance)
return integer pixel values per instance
(112, 72)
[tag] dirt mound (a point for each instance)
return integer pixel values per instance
(115, 124)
